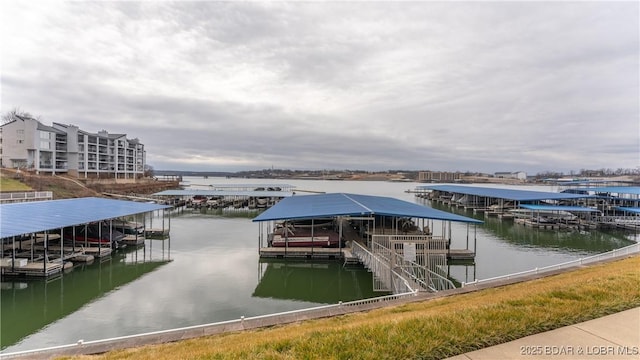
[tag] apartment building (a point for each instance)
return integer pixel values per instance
(26, 143)
(439, 176)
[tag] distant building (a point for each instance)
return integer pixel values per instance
(520, 175)
(439, 176)
(26, 143)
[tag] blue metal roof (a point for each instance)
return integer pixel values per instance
(247, 193)
(339, 204)
(635, 210)
(37, 216)
(634, 190)
(509, 194)
(558, 208)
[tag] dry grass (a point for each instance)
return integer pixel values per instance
(426, 330)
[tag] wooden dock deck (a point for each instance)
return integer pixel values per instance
(461, 255)
(301, 253)
(36, 269)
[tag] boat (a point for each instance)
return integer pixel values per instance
(543, 215)
(93, 234)
(302, 233)
(319, 223)
(322, 239)
(128, 227)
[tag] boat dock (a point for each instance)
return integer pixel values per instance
(345, 254)
(227, 198)
(39, 239)
(349, 236)
(302, 253)
(581, 208)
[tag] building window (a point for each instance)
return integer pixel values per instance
(45, 145)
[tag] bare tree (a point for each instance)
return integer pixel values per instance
(148, 171)
(14, 114)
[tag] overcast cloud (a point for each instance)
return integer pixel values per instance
(226, 86)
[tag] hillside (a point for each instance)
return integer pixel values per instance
(65, 187)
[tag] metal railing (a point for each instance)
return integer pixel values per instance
(303, 314)
(628, 250)
(619, 219)
(421, 268)
(438, 282)
(384, 277)
(230, 325)
(26, 196)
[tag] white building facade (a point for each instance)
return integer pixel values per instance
(520, 175)
(26, 143)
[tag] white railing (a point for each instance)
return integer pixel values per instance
(439, 282)
(304, 313)
(628, 250)
(26, 196)
(422, 270)
(384, 277)
(242, 322)
(423, 276)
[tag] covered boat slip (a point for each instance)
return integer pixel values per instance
(630, 219)
(255, 196)
(574, 208)
(405, 245)
(555, 216)
(246, 187)
(39, 238)
(482, 198)
(502, 203)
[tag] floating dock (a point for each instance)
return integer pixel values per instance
(345, 254)
(302, 253)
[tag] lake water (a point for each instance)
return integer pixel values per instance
(215, 274)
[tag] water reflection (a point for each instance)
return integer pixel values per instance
(216, 275)
(29, 305)
(322, 282)
(580, 242)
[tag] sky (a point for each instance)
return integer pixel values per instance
(229, 86)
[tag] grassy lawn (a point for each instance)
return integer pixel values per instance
(430, 329)
(8, 184)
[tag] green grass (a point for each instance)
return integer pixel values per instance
(10, 185)
(430, 329)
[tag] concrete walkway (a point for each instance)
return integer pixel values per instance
(610, 337)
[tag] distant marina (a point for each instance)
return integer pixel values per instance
(581, 208)
(224, 250)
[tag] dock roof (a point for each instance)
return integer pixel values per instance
(342, 204)
(634, 210)
(203, 192)
(37, 216)
(509, 194)
(632, 190)
(558, 208)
